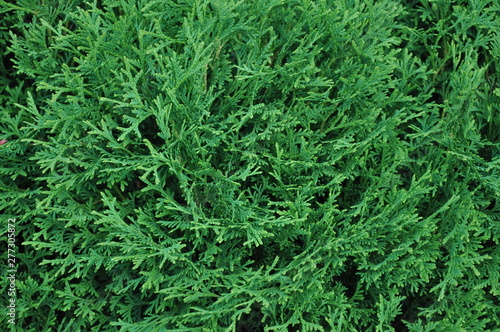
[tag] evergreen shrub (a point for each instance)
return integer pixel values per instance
(265, 165)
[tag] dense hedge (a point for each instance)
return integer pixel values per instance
(267, 165)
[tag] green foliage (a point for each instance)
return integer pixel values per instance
(206, 165)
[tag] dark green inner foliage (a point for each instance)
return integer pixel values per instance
(267, 165)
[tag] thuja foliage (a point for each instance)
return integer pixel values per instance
(267, 165)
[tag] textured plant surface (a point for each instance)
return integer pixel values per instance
(267, 165)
